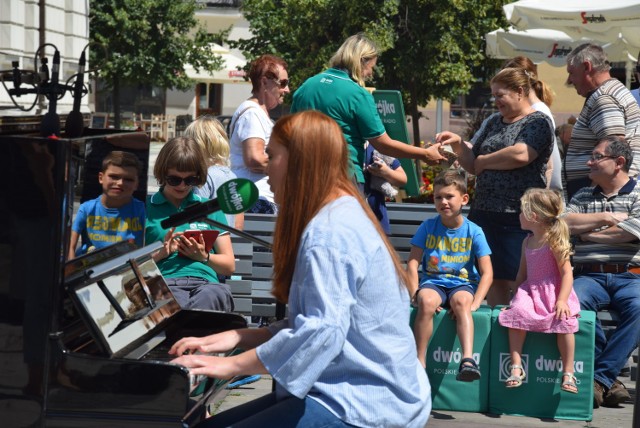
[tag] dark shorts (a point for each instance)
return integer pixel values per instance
(446, 293)
(504, 237)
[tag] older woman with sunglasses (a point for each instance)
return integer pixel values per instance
(190, 271)
(340, 94)
(250, 126)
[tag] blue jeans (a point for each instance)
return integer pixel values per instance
(620, 292)
(267, 412)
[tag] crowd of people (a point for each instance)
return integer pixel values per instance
(543, 243)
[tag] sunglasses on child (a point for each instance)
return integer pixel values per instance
(173, 180)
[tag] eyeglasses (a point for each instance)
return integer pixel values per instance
(283, 83)
(597, 157)
(173, 180)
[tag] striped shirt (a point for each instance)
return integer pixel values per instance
(609, 110)
(591, 200)
(347, 343)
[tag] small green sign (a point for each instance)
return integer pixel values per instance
(391, 111)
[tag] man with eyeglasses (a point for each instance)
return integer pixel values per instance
(605, 222)
(609, 109)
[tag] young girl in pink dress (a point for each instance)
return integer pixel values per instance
(545, 301)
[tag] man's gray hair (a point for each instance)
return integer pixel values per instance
(591, 53)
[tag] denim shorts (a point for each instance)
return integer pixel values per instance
(446, 293)
(504, 236)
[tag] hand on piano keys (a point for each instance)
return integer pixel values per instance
(209, 365)
(215, 343)
(194, 353)
(205, 355)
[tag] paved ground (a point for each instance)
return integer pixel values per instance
(621, 417)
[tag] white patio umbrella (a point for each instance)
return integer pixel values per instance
(229, 72)
(551, 46)
(599, 21)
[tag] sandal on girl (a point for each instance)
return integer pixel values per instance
(515, 378)
(468, 370)
(569, 385)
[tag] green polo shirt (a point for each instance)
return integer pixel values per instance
(176, 266)
(335, 94)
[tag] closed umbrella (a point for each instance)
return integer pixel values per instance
(599, 21)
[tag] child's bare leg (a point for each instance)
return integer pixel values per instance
(516, 342)
(460, 304)
(567, 347)
(428, 301)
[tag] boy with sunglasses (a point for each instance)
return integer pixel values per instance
(115, 215)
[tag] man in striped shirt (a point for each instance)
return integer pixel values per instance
(609, 109)
(605, 220)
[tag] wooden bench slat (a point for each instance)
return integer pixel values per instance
(240, 286)
(243, 305)
(243, 267)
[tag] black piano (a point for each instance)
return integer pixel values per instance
(83, 342)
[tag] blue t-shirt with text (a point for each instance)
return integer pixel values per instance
(449, 255)
(100, 226)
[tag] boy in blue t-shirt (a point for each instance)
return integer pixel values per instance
(448, 246)
(115, 215)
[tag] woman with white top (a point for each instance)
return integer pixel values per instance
(250, 126)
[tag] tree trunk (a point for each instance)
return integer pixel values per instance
(415, 118)
(116, 103)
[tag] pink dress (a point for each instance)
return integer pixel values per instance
(532, 308)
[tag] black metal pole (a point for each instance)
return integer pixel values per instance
(238, 232)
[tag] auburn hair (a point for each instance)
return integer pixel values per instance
(267, 66)
(317, 173)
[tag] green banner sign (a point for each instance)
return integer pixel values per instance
(391, 112)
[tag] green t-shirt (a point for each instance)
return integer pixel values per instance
(335, 94)
(176, 266)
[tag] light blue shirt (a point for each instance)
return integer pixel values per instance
(347, 342)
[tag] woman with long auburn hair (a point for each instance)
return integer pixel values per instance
(344, 355)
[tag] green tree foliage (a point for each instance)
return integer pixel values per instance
(148, 42)
(431, 48)
(306, 33)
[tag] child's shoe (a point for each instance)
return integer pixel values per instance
(468, 370)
